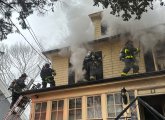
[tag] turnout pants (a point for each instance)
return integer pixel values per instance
(130, 63)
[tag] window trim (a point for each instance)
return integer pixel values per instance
(40, 112)
(81, 97)
(57, 107)
(93, 107)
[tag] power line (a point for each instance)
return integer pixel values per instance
(27, 40)
(33, 35)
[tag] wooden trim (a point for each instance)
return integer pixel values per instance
(32, 111)
(137, 105)
(65, 109)
(84, 107)
(104, 106)
(48, 110)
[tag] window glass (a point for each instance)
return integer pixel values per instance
(57, 110)
(114, 105)
(75, 108)
(94, 107)
(40, 111)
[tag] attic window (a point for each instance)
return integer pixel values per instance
(103, 29)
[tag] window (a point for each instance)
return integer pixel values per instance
(160, 55)
(75, 109)
(57, 110)
(114, 105)
(40, 111)
(94, 107)
(133, 107)
(94, 66)
(104, 29)
(71, 75)
(149, 61)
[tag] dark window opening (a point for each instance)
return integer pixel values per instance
(100, 66)
(149, 61)
(71, 75)
(103, 29)
(160, 55)
(93, 66)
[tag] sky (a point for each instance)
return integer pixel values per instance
(69, 23)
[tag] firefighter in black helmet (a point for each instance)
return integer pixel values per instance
(91, 64)
(47, 74)
(16, 87)
(128, 56)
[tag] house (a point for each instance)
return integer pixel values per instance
(101, 99)
(5, 101)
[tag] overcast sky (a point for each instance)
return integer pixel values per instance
(70, 23)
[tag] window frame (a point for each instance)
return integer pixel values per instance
(93, 107)
(57, 110)
(75, 108)
(40, 112)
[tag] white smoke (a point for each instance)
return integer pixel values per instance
(149, 29)
(77, 56)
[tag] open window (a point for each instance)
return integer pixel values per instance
(104, 29)
(71, 75)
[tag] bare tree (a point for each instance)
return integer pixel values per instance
(25, 60)
(6, 75)
(18, 59)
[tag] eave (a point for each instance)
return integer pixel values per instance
(97, 82)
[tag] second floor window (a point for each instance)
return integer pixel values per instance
(71, 75)
(57, 110)
(94, 107)
(75, 109)
(40, 111)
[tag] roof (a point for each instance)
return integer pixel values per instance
(109, 80)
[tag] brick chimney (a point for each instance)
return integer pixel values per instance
(96, 20)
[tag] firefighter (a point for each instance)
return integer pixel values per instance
(92, 61)
(86, 65)
(128, 56)
(16, 87)
(47, 74)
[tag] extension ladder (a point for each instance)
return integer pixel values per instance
(18, 108)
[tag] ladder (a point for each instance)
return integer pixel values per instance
(18, 108)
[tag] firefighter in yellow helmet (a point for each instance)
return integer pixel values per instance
(128, 56)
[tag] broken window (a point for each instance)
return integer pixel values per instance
(94, 107)
(57, 110)
(40, 111)
(75, 109)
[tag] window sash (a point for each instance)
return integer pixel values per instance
(94, 107)
(75, 108)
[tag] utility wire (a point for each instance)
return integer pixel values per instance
(36, 39)
(27, 40)
(33, 35)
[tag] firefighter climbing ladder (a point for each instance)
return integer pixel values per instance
(20, 105)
